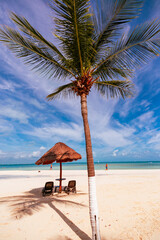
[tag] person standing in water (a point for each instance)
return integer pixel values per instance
(51, 167)
(106, 166)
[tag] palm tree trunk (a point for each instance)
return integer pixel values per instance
(60, 181)
(93, 209)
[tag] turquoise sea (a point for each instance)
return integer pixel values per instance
(82, 166)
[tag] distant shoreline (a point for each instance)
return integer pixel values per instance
(83, 166)
(78, 162)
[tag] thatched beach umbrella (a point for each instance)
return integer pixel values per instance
(59, 153)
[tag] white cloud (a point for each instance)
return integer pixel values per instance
(2, 153)
(115, 152)
(12, 113)
(35, 103)
(22, 154)
(57, 132)
(19, 155)
(147, 116)
(8, 85)
(105, 130)
(17, 110)
(155, 141)
(124, 153)
(125, 108)
(5, 127)
(145, 120)
(35, 154)
(42, 148)
(145, 103)
(115, 138)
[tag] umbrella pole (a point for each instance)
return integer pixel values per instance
(60, 182)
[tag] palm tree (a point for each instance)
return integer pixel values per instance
(94, 52)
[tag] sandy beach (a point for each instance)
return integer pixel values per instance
(128, 202)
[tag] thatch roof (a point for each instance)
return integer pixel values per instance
(60, 152)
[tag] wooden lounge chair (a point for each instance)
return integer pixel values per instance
(48, 189)
(71, 187)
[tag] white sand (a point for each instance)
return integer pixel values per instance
(128, 200)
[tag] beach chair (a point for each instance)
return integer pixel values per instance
(71, 187)
(48, 189)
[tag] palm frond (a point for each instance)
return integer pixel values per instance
(133, 50)
(39, 57)
(74, 29)
(115, 88)
(31, 32)
(35, 36)
(110, 18)
(114, 70)
(64, 90)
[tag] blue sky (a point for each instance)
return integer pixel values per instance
(29, 125)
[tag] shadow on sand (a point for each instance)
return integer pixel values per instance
(32, 201)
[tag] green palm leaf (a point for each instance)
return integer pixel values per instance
(133, 50)
(74, 30)
(33, 34)
(115, 88)
(110, 18)
(64, 90)
(37, 56)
